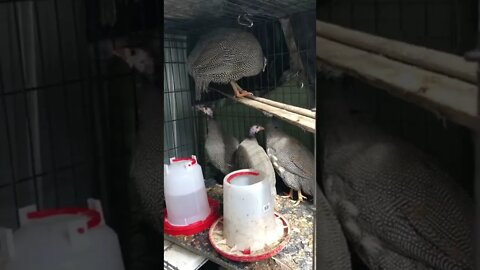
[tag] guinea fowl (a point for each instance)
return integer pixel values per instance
(220, 146)
(224, 56)
(291, 159)
(250, 155)
(398, 208)
(145, 169)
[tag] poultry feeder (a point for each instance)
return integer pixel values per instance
(57, 239)
(189, 210)
(250, 230)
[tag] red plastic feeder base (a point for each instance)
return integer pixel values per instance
(196, 227)
(246, 255)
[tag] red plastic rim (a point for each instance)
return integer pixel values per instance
(196, 227)
(192, 160)
(246, 257)
(230, 178)
(93, 215)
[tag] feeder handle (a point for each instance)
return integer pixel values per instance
(94, 216)
(192, 160)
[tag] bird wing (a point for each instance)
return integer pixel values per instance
(231, 146)
(408, 206)
(213, 57)
(242, 159)
(301, 159)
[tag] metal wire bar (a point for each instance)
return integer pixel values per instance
(10, 150)
(25, 98)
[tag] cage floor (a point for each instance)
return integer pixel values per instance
(297, 254)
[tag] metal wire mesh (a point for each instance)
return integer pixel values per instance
(179, 134)
(188, 14)
(47, 130)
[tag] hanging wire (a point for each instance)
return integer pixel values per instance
(245, 16)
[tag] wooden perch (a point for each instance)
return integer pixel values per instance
(294, 109)
(440, 62)
(452, 97)
(296, 119)
(304, 122)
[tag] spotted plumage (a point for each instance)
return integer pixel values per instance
(410, 213)
(224, 56)
(291, 159)
(147, 169)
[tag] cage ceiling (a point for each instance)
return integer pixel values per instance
(188, 13)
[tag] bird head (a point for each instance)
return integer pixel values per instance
(206, 110)
(255, 129)
(136, 58)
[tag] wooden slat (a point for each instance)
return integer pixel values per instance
(441, 62)
(296, 119)
(452, 97)
(304, 122)
(287, 107)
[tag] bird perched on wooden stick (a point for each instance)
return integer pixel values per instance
(224, 56)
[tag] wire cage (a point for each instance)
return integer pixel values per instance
(67, 109)
(48, 129)
(185, 22)
(180, 117)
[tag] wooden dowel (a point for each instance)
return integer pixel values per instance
(444, 63)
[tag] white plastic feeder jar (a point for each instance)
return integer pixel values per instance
(185, 193)
(59, 239)
(248, 211)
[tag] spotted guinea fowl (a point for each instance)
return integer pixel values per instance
(145, 170)
(291, 159)
(224, 56)
(398, 208)
(219, 146)
(250, 155)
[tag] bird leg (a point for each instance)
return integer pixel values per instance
(239, 92)
(300, 198)
(290, 195)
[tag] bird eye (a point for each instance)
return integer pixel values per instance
(132, 52)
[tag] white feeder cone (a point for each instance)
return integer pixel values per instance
(249, 221)
(185, 193)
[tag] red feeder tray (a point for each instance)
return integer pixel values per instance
(196, 227)
(247, 256)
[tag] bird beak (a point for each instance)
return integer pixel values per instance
(261, 128)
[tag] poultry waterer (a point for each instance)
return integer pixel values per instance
(249, 230)
(189, 210)
(57, 239)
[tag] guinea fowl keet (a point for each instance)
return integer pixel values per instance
(224, 56)
(291, 159)
(219, 146)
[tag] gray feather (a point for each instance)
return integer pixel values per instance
(415, 210)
